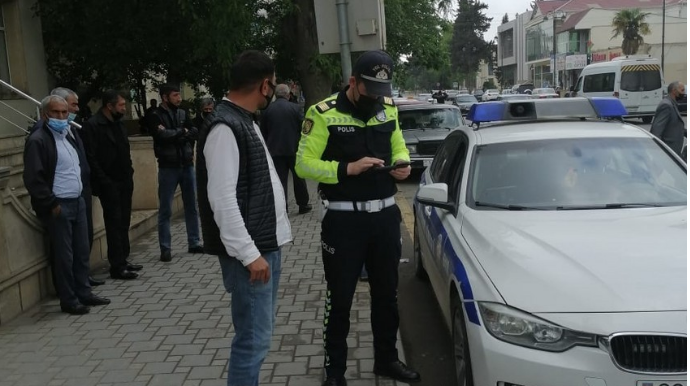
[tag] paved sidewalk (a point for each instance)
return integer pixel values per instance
(172, 326)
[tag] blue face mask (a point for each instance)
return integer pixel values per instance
(58, 125)
(71, 117)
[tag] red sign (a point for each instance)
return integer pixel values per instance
(599, 57)
(614, 55)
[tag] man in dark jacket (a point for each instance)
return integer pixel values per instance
(243, 213)
(205, 109)
(54, 168)
(107, 148)
(173, 142)
(281, 126)
(668, 124)
(72, 100)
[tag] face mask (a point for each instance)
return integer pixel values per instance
(365, 103)
(116, 115)
(269, 99)
(58, 125)
(205, 115)
(71, 117)
(679, 97)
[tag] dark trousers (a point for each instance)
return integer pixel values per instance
(116, 201)
(68, 236)
(349, 241)
(168, 181)
(285, 164)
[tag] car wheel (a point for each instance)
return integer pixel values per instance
(461, 347)
(419, 271)
(647, 120)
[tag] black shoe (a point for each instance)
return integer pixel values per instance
(95, 282)
(196, 249)
(304, 209)
(78, 309)
(94, 301)
(166, 256)
(398, 371)
(123, 275)
(134, 267)
(335, 381)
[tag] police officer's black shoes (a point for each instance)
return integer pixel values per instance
(334, 381)
(398, 371)
(304, 209)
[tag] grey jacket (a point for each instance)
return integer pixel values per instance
(668, 125)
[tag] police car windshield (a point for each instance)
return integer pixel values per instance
(429, 119)
(581, 173)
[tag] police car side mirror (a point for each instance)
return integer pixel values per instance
(435, 195)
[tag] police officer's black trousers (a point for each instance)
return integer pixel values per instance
(349, 240)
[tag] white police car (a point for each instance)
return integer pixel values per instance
(555, 243)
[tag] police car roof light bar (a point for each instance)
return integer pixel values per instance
(571, 108)
(609, 107)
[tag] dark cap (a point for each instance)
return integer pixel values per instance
(375, 70)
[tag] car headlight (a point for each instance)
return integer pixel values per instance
(412, 148)
(520, 328)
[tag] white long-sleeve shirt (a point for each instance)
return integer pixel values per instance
(223, 164)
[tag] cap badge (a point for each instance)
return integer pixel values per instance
(382, 75)
(381, 116)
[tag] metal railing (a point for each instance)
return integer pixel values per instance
(30, 99)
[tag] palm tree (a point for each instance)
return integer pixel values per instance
(632, 25)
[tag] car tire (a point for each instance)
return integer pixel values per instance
(647, 120)
(461, 347)
(419, 270)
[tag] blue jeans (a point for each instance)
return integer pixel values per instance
(168, 179)
(253, 307)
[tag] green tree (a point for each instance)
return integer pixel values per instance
(505, 18)
(468, 47)
(632, 25)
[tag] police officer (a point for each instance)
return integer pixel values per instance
(350, 143)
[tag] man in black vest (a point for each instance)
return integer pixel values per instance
(173, 142)
(246, 234)
(281, 126)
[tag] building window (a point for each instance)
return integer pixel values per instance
(507, 44)
(4, 60)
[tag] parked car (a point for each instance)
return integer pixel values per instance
(522, 88)
(507, 92)
(490, 95)
(514, 97)
(557, 247)
(478, 94)
(544, 93)
(464, 102)
(424, 127)
(425, 97)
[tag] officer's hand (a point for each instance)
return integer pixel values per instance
(364, 164)
(401, 173)
(259, 270)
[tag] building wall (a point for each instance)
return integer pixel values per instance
(518, 28)
(27, 66)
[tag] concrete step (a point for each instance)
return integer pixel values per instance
(12, 142)
(12, 157)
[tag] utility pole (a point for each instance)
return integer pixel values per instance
(663, 35)
(343, 32)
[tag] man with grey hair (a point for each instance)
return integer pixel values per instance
(668, 124)
(54, 170)
(205, 109)
(72, 100)
(281, 126)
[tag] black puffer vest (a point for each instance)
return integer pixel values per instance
(254, 188)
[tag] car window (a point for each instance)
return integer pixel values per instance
(444, 155)
(640, 80)
(457, 168)
(468, 99)
(585, 172)
(600, 82)
(578, 86)
(429, 119)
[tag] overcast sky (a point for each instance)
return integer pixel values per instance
(498, 8)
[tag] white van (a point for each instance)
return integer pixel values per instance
(636, 80)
